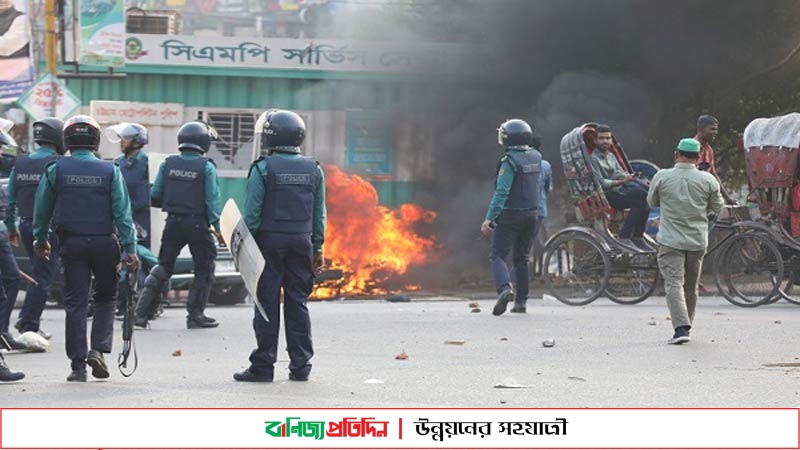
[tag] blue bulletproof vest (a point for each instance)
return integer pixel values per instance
(291, 186)
(525, 189)
(83, 196)
(136, 180)
(27, 174)
(184, 186)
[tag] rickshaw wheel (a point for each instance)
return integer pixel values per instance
(633, 278)
(749, 270)
(576, 269)
(786, 291)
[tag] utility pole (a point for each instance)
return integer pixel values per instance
(50, 49)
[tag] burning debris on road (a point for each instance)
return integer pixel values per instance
(370, 244)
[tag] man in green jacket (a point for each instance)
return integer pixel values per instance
(687, 197)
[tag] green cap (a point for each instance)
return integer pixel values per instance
(689, 145)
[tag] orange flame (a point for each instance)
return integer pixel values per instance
(368, 242)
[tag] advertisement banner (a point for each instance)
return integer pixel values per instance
(102, 33)
(16, 63)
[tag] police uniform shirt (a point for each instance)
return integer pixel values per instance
(504, 184)
(211, 188)
(254, 202)
(11, 217)
(120, 204)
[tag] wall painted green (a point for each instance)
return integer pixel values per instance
(250, 92)
(256, 92)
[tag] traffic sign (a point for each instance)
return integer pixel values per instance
(49, 97)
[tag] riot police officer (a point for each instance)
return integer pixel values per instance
(285, 211)
(186, 187)
(8, 263)
(86, 199)
(512, 213)
(22, 184)
(133, 164)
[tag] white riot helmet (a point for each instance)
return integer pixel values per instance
(133, 132)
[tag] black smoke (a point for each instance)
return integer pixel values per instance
(647, 68)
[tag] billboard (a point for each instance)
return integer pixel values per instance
(102, 33)
(16, 64)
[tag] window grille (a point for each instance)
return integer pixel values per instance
(235, 129)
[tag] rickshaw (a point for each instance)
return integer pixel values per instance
(761, 263)
(587, 260)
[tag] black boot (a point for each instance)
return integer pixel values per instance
(96, 361)
(196, 305)
(199, 320)
(9, 343)
(6, 374)
(202, 317)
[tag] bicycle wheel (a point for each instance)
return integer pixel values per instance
(575, 269)
(633, 278)
(785, 292)
(749, 270)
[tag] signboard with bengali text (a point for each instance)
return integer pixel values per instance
(296, 54)
(161, 114)
(49, 97)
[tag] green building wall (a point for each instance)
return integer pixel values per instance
(220, 91)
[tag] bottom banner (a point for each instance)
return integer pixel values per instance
(466, 428)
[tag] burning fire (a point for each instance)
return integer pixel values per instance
(368, 242)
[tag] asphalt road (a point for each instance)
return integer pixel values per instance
(605, 355)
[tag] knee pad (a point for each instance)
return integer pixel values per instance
(158, 277)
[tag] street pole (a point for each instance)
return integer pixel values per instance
(50, 49)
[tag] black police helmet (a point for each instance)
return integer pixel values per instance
(514, 132)
(195, 136)
(49, 131)
(81, 131)
(281, 129)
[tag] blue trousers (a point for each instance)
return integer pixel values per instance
(634, 196)
(82, 257)
(515, 230)
(43, 271)
(10, 277)
(288, 268)
(180, 231)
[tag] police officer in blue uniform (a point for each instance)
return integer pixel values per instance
(285, 211)
(512, 214)
(8, 263)
(186, 187)
(133, 163)
(86, 199)
(22, 185)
